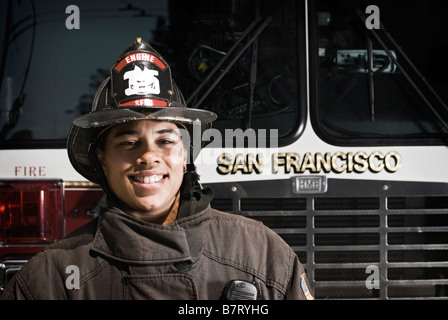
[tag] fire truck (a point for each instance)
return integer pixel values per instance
(332, 126)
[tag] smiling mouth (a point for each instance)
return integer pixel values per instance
(148, 179)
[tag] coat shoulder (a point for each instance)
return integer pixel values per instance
(250, 246)
(81, 236)
(43, 276)
(246, 227)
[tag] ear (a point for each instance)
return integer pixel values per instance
(185, 160)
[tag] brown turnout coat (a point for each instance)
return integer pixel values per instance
(121, 257)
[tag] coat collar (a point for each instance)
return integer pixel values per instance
(127, 239)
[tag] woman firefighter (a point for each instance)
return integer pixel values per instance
(158, 237)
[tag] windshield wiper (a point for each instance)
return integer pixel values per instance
(257, 26)
(370, 77)
(413, 67)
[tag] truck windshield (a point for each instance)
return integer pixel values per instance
(381, 75)
(52, 60)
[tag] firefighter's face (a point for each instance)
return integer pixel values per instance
(144, 163)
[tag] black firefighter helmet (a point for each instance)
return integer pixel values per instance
(140, 86)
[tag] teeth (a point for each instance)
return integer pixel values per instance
(150, 179)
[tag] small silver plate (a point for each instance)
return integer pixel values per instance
(309, 184)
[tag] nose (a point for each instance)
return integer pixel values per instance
(148, 155)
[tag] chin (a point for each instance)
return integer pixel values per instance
(147, 207)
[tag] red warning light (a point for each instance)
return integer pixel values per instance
(31, 212)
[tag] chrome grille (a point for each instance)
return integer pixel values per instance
(400, 228)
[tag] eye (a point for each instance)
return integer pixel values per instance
(168, 139)
(128, 143)
(165, 141)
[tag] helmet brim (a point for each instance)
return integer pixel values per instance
(115, 116)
